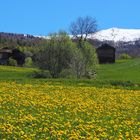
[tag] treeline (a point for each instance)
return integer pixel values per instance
(15, 40)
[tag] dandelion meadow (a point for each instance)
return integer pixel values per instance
(43, 111)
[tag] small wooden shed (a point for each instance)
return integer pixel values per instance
(106, 54)
(15, 54)
(4, 55)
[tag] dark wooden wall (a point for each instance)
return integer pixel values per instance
(5, 54)
(106, 54)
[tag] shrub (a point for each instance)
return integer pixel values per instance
(125, 56)
(67, 73)
(28, 62)
(122, 83)
(12, 62)
(90, 74)
(41, 74)
(84, 61)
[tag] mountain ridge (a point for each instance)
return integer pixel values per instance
(116, 35)
(112, 34)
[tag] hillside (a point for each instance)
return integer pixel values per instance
(15, 73)
(123, 70)
(14, 40)
(117, 35)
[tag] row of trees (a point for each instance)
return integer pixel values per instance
(70, 56)
(16, 40)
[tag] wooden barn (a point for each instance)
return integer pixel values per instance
(15, 54)
(106, 54)
(4, 56)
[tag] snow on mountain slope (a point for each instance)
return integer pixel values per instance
(112, 34)
(116, 34)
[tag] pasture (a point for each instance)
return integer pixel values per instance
(102, 108)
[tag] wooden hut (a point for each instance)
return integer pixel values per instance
(15, 54)
(4, 56)
(106, 54)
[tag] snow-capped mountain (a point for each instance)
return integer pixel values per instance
(116, 34)
(112, 34)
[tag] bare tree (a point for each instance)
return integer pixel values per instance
(82, 27)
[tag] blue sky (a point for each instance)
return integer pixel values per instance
(40, 17)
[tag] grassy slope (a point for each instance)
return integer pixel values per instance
(126, 70)
(108, 75)
(15, 73)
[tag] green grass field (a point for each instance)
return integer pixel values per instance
(124, 73)
(125, 70)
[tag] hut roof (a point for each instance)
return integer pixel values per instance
(5, 50)
(105, 46)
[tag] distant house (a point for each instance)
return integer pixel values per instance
(6, 53)
(106, 54)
